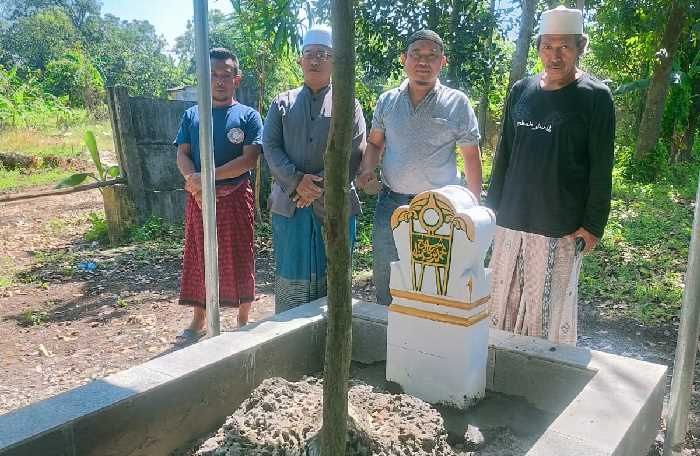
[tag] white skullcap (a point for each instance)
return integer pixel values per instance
(318, 34)
(561, 21)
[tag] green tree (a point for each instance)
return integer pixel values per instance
(33, 41)
(337, 158)
(75, 76)
(466, 27)
(131, 54)
(656, 95)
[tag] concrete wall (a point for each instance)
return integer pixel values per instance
(143, 131)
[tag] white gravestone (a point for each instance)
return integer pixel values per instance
(437, 339)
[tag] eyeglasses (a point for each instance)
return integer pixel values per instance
(429, 58)
(321, 56)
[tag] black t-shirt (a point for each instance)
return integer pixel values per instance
(553, 168)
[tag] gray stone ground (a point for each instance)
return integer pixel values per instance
(283, 418)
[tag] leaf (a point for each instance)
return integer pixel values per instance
(639, 84)
(91, 144)
(113, 171)
(73, 180)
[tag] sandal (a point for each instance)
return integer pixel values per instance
(189, 336)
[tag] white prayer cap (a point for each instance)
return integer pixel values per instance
(318, 34)
(561, 21)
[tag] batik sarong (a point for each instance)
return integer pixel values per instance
(234, 226)
(534, 285)
(300, 258)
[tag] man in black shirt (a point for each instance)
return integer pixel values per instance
(550, 186)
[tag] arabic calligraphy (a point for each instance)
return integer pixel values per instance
(535, 126)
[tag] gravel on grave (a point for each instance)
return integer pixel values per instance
(282, 418)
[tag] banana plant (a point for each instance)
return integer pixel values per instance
(102, 173)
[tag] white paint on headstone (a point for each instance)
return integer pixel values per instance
(437, 338)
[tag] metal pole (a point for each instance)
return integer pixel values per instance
(206, 154)
(684, 364)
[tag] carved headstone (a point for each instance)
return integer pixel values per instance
(437, 339)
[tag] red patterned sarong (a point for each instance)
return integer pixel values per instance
(234, 225)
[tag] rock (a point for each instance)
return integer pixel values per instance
(284, 418)
(473, 438)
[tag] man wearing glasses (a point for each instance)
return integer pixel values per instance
(294, 141)
(417, 128)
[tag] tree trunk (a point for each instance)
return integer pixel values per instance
(258, 166)
(527, 23)
(483, 111)
(433, 18)
(454, 25)
(650, 126)
(688, 140)
(581, 5)
(337, 160)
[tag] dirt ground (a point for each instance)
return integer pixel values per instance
(61, 326)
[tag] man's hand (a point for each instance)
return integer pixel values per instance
(591, 240)
(198, 199)
(302, 202)
(307, 191)
(364, 177)
(193, 183)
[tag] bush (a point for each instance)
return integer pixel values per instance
(653, 168)
(23, 103)
(155, 229)
(75, 77)
(98, 229)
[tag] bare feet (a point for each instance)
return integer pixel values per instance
(199, 319)
(243, 311)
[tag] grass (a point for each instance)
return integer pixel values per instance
(44, 142)
(6, 272)
(638, 268)
(53, 141)
(16, 180)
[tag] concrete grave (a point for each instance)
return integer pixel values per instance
(438, 331)
(597, 404)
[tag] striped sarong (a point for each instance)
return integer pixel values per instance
(234, 226)
(300, 258)
(534, 285)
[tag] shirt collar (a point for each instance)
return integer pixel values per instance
(321, 93)
(438, 86)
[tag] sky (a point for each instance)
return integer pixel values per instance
(169, 17)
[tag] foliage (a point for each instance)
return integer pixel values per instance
(131, 54)
(81, 43)
(23, 103)
(640, 263)
(625, 37)
(31, 317)
(155, 229)
(51, 27)
(75, 76)
(103, 173)
(267, 63)
(97, 232)
(383, 26)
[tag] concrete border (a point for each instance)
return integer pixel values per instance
(158, 406)
(606, 404)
